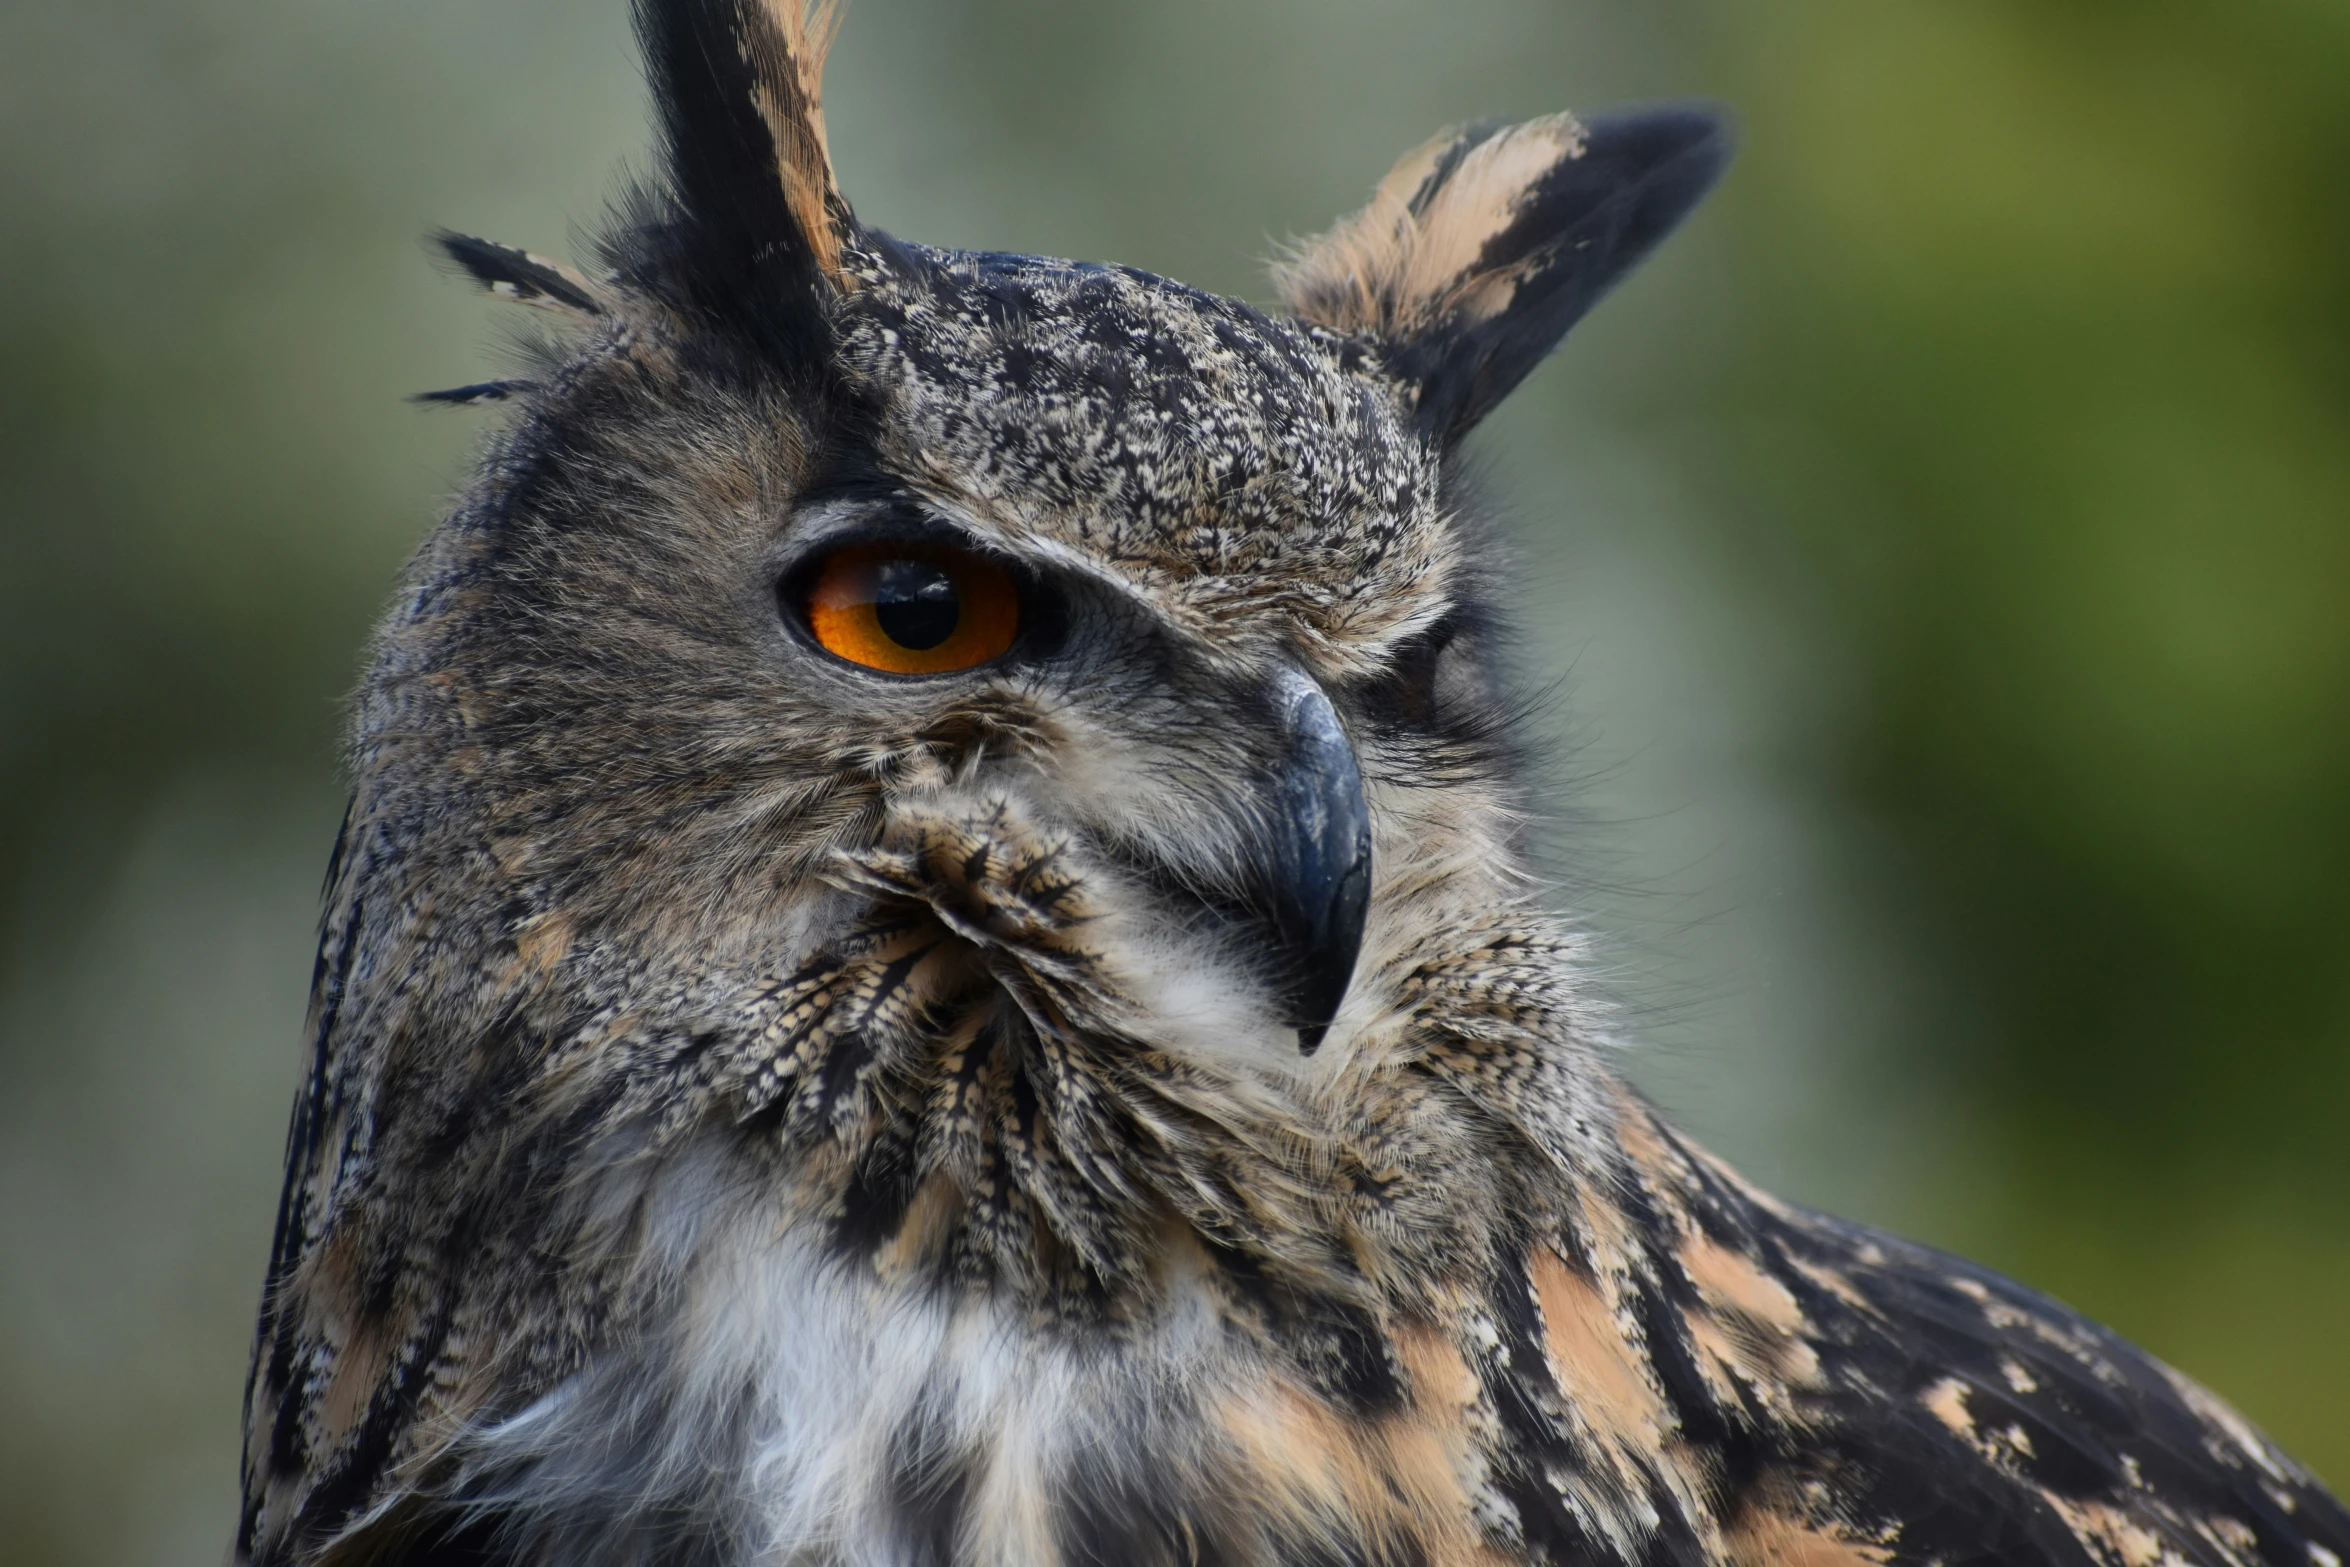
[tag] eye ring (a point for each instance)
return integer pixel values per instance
(908, 606)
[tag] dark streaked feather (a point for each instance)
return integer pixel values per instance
(478, 392)
(1993, 1421)
(1956, 1416)
(755, 238)
(1573, 235)
(520, 276)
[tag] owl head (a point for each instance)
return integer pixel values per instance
(1005, 739)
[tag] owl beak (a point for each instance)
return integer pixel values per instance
(1317, 864)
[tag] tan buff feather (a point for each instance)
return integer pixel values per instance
(1412, 256)
(787, 57)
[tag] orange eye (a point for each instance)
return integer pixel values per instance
(913, 608)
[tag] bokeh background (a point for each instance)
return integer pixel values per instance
(1942, 554)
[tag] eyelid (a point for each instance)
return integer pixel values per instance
(824, 525)
(1404, 694)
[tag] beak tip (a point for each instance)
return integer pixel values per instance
(1322, 866)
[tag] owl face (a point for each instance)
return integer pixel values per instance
(1170, 585)
(1014, 730)
(822, 527)
(1224, 534)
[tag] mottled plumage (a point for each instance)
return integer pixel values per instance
(1118, 1102)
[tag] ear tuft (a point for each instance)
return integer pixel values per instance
(787, 58)
(1396, 267)
(1481, 248)
(739, 88)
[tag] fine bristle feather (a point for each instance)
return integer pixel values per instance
(521, 276)
(479, 392)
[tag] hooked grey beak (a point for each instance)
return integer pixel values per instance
(1317, 868)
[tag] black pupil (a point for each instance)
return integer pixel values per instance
(916, 605)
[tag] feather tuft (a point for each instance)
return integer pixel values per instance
(788, 63)
(1411, 257)
(521, 276)
(479, 392)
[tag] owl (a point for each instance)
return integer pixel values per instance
(933, 963)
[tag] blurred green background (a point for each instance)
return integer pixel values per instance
(1945, 547)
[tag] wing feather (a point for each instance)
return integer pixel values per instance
(1920, 1409)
